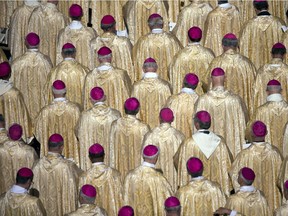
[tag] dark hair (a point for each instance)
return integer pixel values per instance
(54, 144)
(69, 52)
(194, 40)
(173, 209)
(194, 175)
(222, 1)
(107, 27)
(187, 85)
(262, 5)
(202, 125)
(95, 156)
(76, 18)
(2, 119)
(22, 180)
(280, 51)
(229, 42)
(131, 112)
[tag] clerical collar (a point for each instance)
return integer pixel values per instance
(150, 75)
(146, 164)
(97, 163)
(258, 143)
(104, 67)
(32, 50)
(249, 188)
(264, 13)
(60, 99)
(18, 190)
(197, 178)
(157, 31)
(194, 43)
(99, 103)
(188, 90)
(205, 131)
(75, 24)
(31, 3)
(68, 59)
(225, 5)
(275, 97)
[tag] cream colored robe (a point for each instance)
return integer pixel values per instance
(88, 210)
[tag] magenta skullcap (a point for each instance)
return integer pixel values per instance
(68, 46)
(107, 20)
(278, 46)
(154, 15)
(55, 138)
(96, 93)
(32, 39)
(286, 184)
(75, 11)
(194, 165)
(217, 72)
(259, 129)
(126, 211)
(15, 132)
(203, 116)
(166, 115)
(103, 51)
(273, 83)
(25, 172)
(247, 173)
(132, 104)
(5, 69)
(191, 79)
(172, 202)
(96, 149)
(58, 87)
(149, 60)
(150, 151)
(89, 190)
(230, 36)
(195, 33)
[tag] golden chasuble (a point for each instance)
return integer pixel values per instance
(282, 210)
(2, 56)
(88, 210)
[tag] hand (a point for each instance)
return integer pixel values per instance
(223, 211)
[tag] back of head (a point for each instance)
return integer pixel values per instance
(150, 153)
(166, 115)
(191, 80)
(75, 12)
(150, 65)
(5, 70)
(96, 153)
(172, 206)
(55, 142)
(260, 5)
(195, 34)
(286, 189)
(87, 194)
(273, 86)
(217, 77)
(104, 54)
(155, 21)
(258, 131)
(107, 23)
(32, 40)
(278, 49)
(203, 119)
(2, 121)
(68, 50)
(131, 106)
(15, 132)
(247, 176)
(24, 175)
(230, 40)
(126, 211)
(194, 167)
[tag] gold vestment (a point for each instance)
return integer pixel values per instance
(57, 180)
(29, 74)
(282, 210)
(168, 140)
(88, 210)
(2, 56)
(126, 137)
(8, 8)
(3, 135)
(94, 127)
(200, 197)
(107, 182)
(228, 116)
(145, 190)
(265, 160)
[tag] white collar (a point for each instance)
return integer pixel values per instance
(197, 178)
(146, 164)
(19, 190)
(188, 90)
(258, 143)
(195, 43)
(68, 59)
(249, 188)
(99, 103)
(32, 50)
(157, 31)
(60, 99)
(275, 97)
(97, 163)
(75, 24)
(150, 75)
(32, 3)
(104, 67)
(225, 5)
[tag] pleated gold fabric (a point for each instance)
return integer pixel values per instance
(3, 135)
(73, 74)
(146, 189)
(13, 156)
(194, 58)
(136, 14)
(2, 56)
(107, 182)
(275, 116)
(240, 75)
(182, 105)
(216, 167)
(152, 94)
(94, 127)
(13, 108)
(283, 175)
(200, 197)
(80, 38)
(47, 21)
(219, 22)
(89, 210)
(278, 8)
(228, 116)
(285, 43)
(126, 137)
(282, 210)
(160, 46)
(261, 32)
(59, 117)
(173, 10)
(29, 74)
(21, 204)
(249, 203)
(194, 14)
(102, 8)
(285, 140)
(275, 69)
(7, 10)
(263, 158)
(247, 10)
(19, 29)
(115, 82)
(121, 50)
(57, 181)
(168, 140)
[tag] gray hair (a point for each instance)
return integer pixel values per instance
(102, 57)
(230, 42)
(90, 200)
(158, 21)
(247, 182)
(273, 88)
(150, 64)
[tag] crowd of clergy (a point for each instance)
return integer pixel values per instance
(144, 108)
